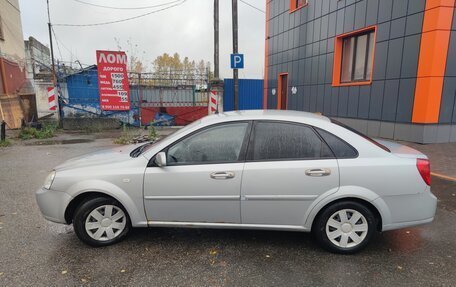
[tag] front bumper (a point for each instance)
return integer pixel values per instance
(53, 204)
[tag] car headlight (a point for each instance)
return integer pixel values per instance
(49, 180)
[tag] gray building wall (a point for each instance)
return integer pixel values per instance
(448, 103)
(302, 44)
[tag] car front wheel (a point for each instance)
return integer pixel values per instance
(101, 221)
(345, 227)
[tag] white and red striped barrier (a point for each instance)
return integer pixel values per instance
(51, 98)
(214, 105)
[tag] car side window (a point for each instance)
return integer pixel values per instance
(220, 143)
(340, 148)
(286, 141)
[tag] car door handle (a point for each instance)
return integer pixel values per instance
(318, 172)
(222, 175)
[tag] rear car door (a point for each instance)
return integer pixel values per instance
(288, 166)
(202, 179)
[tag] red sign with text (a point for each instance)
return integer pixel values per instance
(113, 81)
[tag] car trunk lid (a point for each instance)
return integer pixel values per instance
(401, 150)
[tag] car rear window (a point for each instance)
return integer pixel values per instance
(286, 141)
(340, 148)
(361, 135)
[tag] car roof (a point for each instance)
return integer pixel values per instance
(282, 115)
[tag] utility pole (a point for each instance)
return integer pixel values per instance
(215, 85)
(54, 80)
(235, 51)
(216, 39)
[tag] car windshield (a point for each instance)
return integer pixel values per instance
(145, 147)
(361, 135)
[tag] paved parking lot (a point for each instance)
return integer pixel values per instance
(36, 252)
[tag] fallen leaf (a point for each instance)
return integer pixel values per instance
(83, 280)
(64, 272)
(1, 273)
(399, 267)
(122, 271)
(213, 252)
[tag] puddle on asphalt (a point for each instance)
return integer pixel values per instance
(56, 142)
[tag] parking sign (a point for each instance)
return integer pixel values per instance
(237, 61)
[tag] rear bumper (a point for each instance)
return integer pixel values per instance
(410, 210)
(52, 204)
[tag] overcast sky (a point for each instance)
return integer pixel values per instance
(186, 29)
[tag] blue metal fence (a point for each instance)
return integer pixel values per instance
(250, 94)
(81, 98)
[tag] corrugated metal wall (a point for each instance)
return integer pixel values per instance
(185, 96)
(83, 88)
(82, 99)
(250, 94)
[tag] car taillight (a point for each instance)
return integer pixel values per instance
(424, 167)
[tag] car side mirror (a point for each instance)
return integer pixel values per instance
(160, 159)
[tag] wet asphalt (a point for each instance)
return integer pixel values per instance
(40, 253)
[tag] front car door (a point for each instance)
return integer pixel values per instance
(288, 166)
(202, 179)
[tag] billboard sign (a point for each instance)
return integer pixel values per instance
(113, 81)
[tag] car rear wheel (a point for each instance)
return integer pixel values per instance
(101, 221)
(345, 227)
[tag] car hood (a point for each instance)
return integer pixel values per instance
(105, 156)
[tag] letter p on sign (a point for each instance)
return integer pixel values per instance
(237, 61)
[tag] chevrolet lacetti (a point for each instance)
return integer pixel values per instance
(278, 170)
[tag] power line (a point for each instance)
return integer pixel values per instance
(127, 8)
(57, 42)
(122, 20)
(248, 4)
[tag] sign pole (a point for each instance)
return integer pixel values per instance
(235, 51)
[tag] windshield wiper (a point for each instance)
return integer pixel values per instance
(137, 151)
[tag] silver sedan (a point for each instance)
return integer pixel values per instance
(277, 170)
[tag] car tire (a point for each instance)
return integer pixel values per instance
(101, 221)
(345, 227)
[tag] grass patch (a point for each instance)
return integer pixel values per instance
(131, 136)
(48, 131)
(5, 143)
